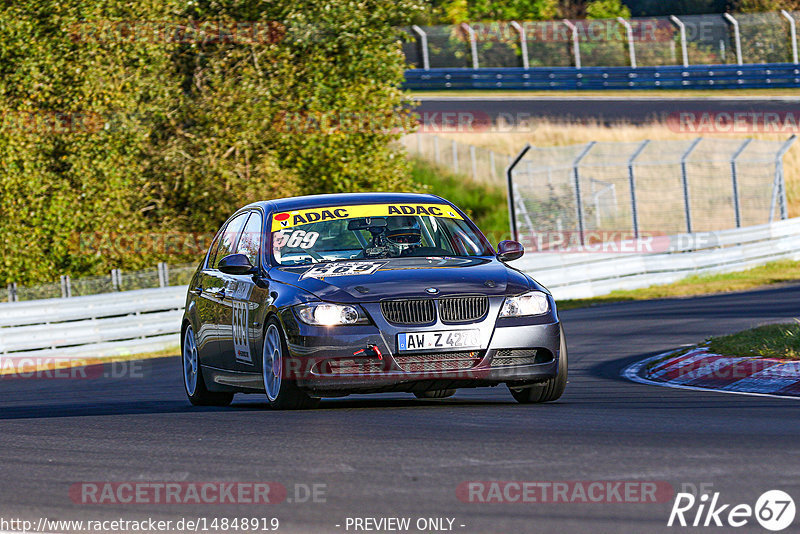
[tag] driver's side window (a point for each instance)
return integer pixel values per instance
(228, 239)
(250, 242)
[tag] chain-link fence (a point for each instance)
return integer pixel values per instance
(478, 163)
(161, 275)
(658, 187)
(687, 40)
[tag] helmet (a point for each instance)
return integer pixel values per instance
(402, 233)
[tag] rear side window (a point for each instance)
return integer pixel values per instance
(228, 238)
(250, 242)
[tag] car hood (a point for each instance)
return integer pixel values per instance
(374, 280)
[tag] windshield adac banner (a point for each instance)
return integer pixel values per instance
(290, 219)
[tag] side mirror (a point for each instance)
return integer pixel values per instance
(236, 264)
(509, 251)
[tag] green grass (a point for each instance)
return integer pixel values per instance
(770, 341)
(485, 204)
(776, 272)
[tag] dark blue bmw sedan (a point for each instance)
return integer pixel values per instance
(322, 296)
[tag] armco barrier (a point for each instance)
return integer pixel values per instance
(147, 320)
(586, 274)
(598, 78)
(111, 324)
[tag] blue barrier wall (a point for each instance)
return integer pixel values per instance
(598, 78)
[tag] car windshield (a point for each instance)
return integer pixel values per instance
(373, 231)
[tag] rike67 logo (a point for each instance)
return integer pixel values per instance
(774, 510)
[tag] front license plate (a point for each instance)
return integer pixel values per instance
(450, 339)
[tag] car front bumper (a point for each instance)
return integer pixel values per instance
(324, 360)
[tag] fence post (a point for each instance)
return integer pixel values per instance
(473, 44)
(423, 43)
(629, 34)
(66, 287)
(576, 47)
(523, 43)
(632, 181)
(735, 182)
(436, 149)
(492, 164)
(685, 180)
(165, 268)
(779, 186)
(682, 28)
(12, 292)
(114, 283)
(474, 160)
(160, 269)
(512, 215)
(793, 33)
(736, 36)
(578, 200)
(419, 143)
(455, 156)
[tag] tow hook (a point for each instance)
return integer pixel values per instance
(371, 350)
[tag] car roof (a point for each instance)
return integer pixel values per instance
(344, 199)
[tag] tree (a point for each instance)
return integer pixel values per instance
(162, 116)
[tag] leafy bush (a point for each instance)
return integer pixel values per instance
(110, 127)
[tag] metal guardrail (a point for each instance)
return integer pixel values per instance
(149, 320)
(130, 322)
(759, 76)
(572, 275)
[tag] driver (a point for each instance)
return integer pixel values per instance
(402, 234)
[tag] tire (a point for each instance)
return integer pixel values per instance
(281, 394)
(193, 382)
(548, 390)
(435, 394)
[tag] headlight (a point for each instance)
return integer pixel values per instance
(325, 314)
(533, 303)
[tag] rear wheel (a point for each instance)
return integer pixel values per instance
(435, 394)
(282, 392)
(548, 390)
(193, 381)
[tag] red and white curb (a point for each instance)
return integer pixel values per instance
(701, 370)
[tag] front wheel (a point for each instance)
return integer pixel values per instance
(193, 381)
(548, 390)
(282, 392)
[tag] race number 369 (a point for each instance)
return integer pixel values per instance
(297, 239)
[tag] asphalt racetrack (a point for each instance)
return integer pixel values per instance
(634, 109)
(393, 455)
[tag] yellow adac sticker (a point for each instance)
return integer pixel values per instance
(290, 219)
